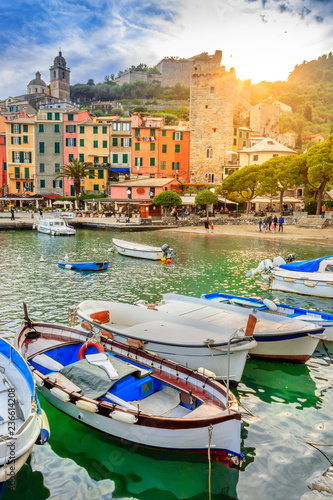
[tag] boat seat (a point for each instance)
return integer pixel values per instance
(162, 402)
(47, 362)
(67, 384)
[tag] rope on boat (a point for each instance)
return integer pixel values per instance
(216, 366)
(327, 351)
(210, 432)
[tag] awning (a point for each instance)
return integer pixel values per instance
(120, 169)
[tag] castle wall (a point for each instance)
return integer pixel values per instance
(175, 71)
(264, 119)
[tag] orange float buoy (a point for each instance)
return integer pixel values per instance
(168, 261)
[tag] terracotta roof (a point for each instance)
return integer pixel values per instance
(267, 144)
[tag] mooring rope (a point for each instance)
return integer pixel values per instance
(210, 432)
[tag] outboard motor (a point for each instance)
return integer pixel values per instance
(167, 250)
(290, 258)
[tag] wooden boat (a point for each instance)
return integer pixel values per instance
(183, 340)
(84, 266)
(54, 227)
(130, 393)
(277, 337)
(22, 422)
(276, 308)
(141, 251)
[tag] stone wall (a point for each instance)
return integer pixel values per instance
(174, 71)
(265, 119)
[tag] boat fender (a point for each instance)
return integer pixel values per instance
(39, 380)
(86, 325)
(134, 343)
(44, 434)
(270, 305)
(207, 373)
(60, 394)
(120, 416)
(85, 346)
(106, 334)
(309, 283)
(68, 266)
(86, 406)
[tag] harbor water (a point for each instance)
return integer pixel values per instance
(286, 408)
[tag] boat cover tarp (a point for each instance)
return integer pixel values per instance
(120, 169)
(307, 266)
(93, 380)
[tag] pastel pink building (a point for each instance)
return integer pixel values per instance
(142, 190)
(3, 161)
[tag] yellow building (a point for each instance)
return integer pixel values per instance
(20, 140)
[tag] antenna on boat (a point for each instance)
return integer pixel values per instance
(33, 333)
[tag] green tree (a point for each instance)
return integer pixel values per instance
(245, 182)
(319, 162)
(75, 170)
(206, 197)
(167, 199)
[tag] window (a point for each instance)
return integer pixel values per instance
(240, 134)
(114, 141)
(16, 156)
(71, 142)
(25, 128)
(95, 144)
(81, 129)
(125, 158)
(71, 129)
(117, 127)
(126, 127)
(152, 162)
(235, 142)
(105, 144)
(18, 186)
(17, 172)
(247, 135)
(126, 142)
(16, 129)
(42, 168)
(114, 158)
(164, 148)
(5, 166)
(96, 187)
(163, 165)
(275, 155)
(101, 174)
(41, 127)
(70, 157)
(49, 116)
(209, 153)
(104, 130)
(42, 183)
(26, 173)
(138, 162)
(177, 148)
(82, 142)
(16, 140)
(70, 118)
(175, 165)
(235, 131)
(95, 129)
(56, 128)
(27, 157)
(163, 133)
(95, 159)
(137, 146)
(91, 174)
(57, 116)
(41, 147)
(244, 143)
(178, 136)
(152, 146)
(137, 132)
(152, 132)
(57, 184)
(255, 157)
(57, 147)
(210, 178)
(57, 167)
(105, 159)
(212, 89)
(81, 157)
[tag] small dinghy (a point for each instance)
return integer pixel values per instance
(141, 251)
(276, 308)
(22, 422)
(130, 393)
(54, 227)
(84, 266)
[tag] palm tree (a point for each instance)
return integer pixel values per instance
(75, 170)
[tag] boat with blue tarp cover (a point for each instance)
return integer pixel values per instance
(22, 421)
(272, 307)
(129, 393)
(84, 266)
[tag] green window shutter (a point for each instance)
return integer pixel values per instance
(152, 132)
(95, 130)
(74, 129)
(173, 135)
(115, 158)
(75, 142)
(95, 159)
(240, 135)
(95, 144)
(17, 172)
(125, 158)
(140, 162)
(177, 148)
(57, 147)
(181, 136)
(19, 140)
(152, 146)
(41, 147)
(54, 184)
(96, 187)
(137, 146)
(5, 166)
(12, 141)
(21, 157)
(25, 128)
(137, 132)
(130, 142)
(105, 144)
(19, 127)
(26, 173)
(49, 116)
(70, 118)
(104, 130)
(81, 129)
(56, 128)
(25, 139)
(114, 141)
(163, 133)
(70, 157)
(13, 157)
(105, 159)
(173, 165)
(91, 174)
(29, 156)
(81, 142)
(41, 128)
(12, 128)
(101, 174)
(57, 116)
(81, 157)
(122, 142)
(60, 184)
(66, 142)
(41, 168)
(67, 128)
(152, 162)
(226, 171)
(42, 183)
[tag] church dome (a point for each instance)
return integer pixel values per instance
(38, 81)
(59, 60)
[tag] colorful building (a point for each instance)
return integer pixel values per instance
(3, 158)
(20, 149)
(173, 152)
(145, 145)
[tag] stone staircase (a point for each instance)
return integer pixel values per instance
(313, 221)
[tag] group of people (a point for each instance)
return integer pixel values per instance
(269, 223)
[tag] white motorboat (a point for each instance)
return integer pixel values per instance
(130, 393)
(277, 337)
(307, 277)
(54, 227)
(184, 340)
(141, 251)
(22, 422)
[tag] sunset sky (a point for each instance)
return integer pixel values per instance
(261, 39)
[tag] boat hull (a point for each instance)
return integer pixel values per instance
(139, 254)
(301, 284)
(84, 266)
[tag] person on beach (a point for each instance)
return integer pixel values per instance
(206, 224)
(323, 211)
(41, 212)
(275, 221)
(260, 224)
(273, 227)
(12, 211)
(269, 221)
(281, 222)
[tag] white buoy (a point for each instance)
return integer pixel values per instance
(41, 259)
(66, 257)
(19, 257)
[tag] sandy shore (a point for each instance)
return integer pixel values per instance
(320, 237)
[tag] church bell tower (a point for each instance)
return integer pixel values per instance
(60, 78)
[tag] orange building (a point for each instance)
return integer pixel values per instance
(174, 152)
(145, 145)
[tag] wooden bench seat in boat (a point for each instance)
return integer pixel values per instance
(64, 382)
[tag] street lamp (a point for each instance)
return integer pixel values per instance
(128, 192)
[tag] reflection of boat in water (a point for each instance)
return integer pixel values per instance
(280, 382)
(139, 472)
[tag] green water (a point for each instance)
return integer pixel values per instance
(286, 401)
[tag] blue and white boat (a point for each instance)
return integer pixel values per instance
(268, 306)
(84, 266)
(22, 422)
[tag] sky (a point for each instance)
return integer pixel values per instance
(261, 39)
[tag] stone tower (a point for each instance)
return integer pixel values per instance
(211, 118)
(60, 79)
